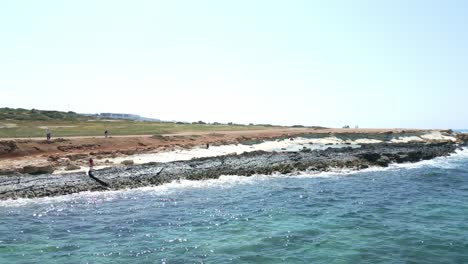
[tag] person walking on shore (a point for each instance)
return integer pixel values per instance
(90, 174)
(106, 134)
(48, 135)
(91, 164)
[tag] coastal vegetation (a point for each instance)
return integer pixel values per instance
(37, 115)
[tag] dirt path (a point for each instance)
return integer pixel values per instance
(247, 132)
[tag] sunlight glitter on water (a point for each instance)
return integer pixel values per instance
(411, 213)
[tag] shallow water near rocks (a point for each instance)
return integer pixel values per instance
(414, 213)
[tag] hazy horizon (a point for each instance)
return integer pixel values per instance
(385, 64)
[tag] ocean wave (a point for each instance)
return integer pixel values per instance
(225, 181)
(448, 162)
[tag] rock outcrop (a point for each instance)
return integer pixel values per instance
(35, 170)
(7, 147)
(127, 162)
(462, 138)
(249, 163)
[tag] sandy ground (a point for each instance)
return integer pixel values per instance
(77, 150)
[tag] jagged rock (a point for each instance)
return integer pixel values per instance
(370, 156)
(400, 158)
(462, 137)
(383, 161)
(414, 156)
(53, 158)
(31, 169)
(7, 146)
(127, 162)
(447, 132)
(72, 167)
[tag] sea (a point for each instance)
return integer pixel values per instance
(408, 213)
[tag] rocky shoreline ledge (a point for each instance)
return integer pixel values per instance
(67, 155)
(246, 164)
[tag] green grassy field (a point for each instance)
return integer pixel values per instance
(64, 128)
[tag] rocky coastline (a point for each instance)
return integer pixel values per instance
(258, 162)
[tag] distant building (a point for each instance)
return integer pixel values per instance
(121, 116)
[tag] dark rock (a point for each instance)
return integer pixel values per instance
(383, 161)
(34, 170)
(414, 156)
(306, 149)
(462, 138)
(400, 158)
(53, 158)
(370, 156)
(7, 146)
(127, 162)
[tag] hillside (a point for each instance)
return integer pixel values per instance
(38, 115)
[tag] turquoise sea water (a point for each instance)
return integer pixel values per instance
(414, 213)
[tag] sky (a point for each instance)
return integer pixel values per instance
(381, 64)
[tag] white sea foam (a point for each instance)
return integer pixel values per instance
(165, 189)
(448, 162)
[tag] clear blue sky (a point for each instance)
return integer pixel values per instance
(367, 63)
